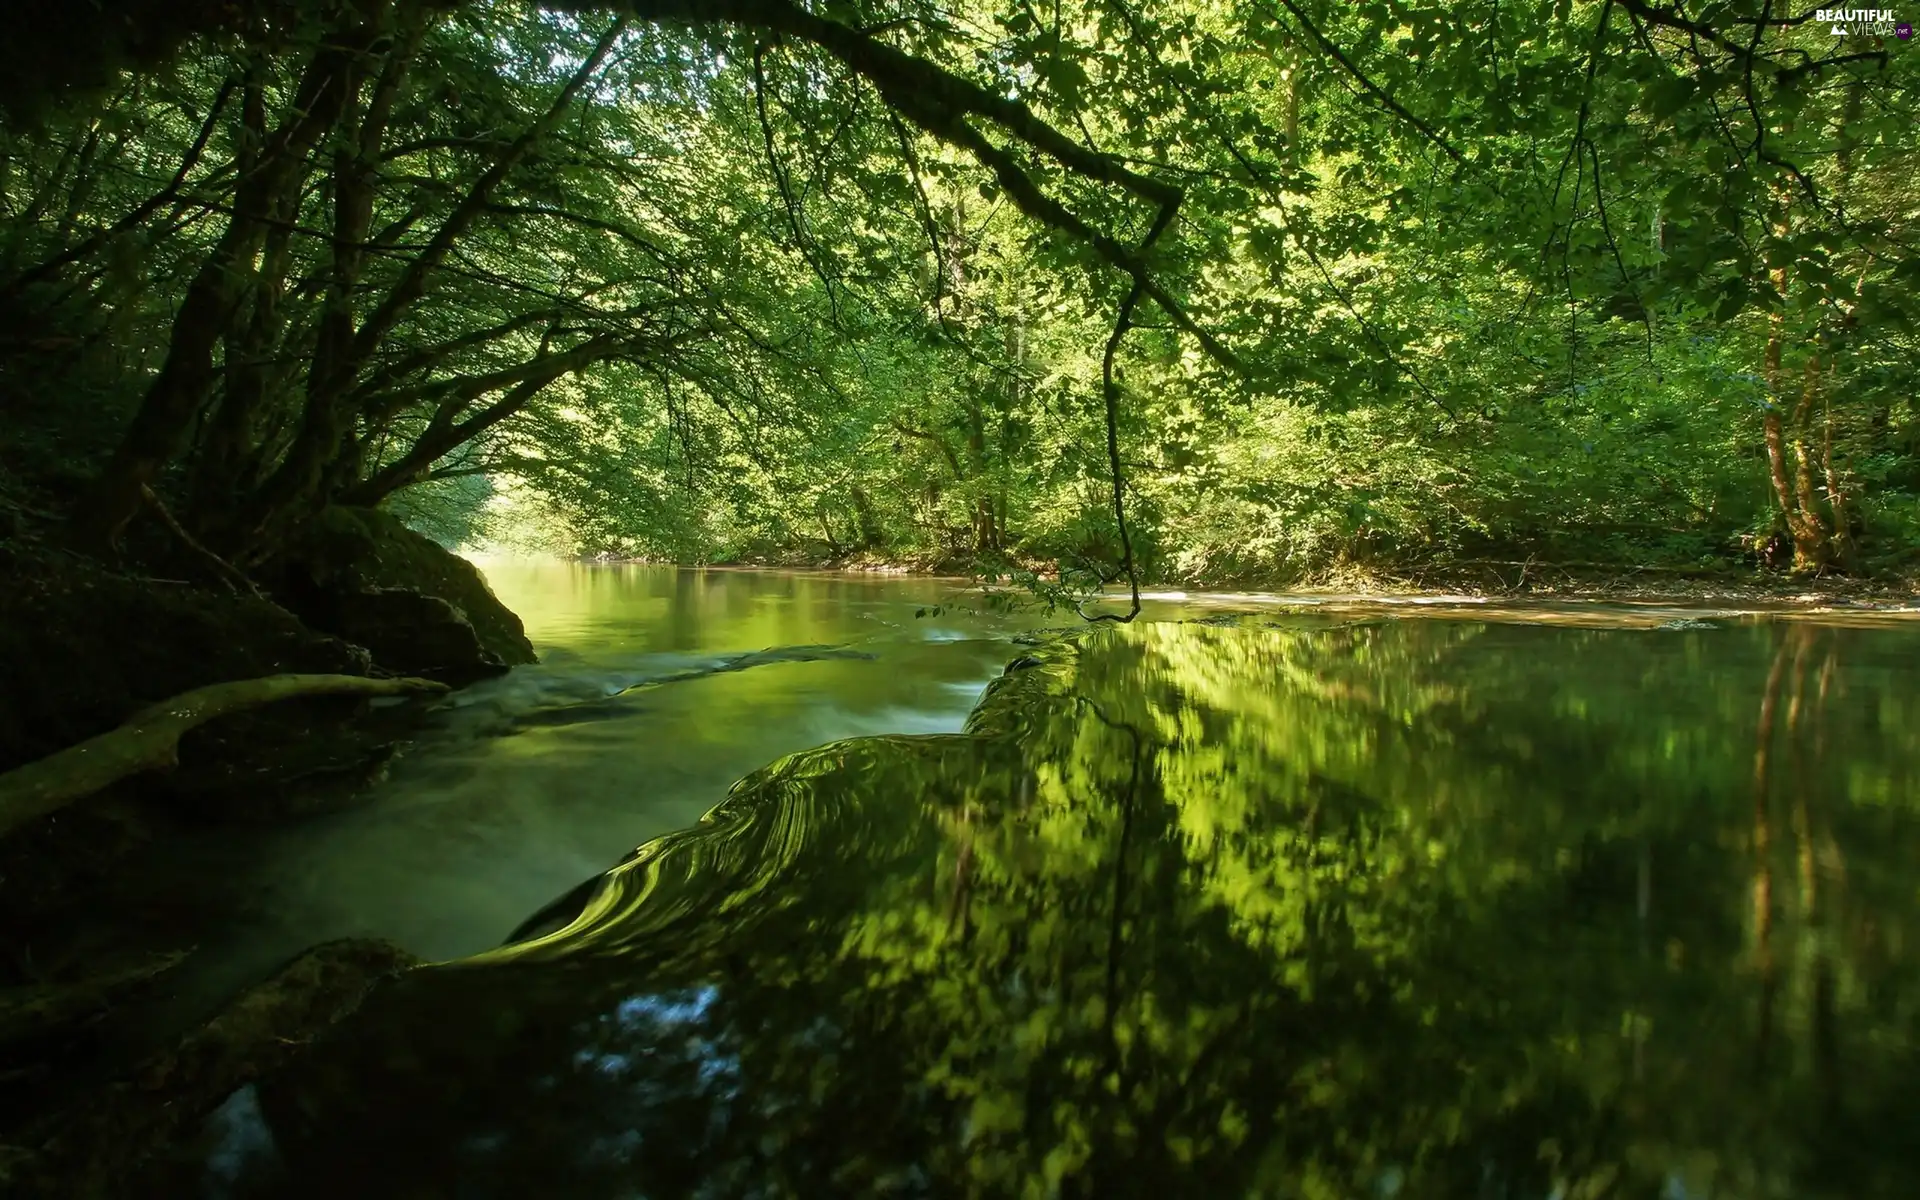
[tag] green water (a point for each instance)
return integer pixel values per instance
(1309, 907)
(525, 785)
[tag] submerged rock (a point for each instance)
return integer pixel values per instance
(558, 694)
(91, 1150)
(363, 575)
(1686, 623)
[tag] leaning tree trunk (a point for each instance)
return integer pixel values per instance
(186, 380)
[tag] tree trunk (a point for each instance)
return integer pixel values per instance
(867, 521)
(226, 461)
(1792, 481)
(180, 391)
(298, 485)
(1813, 547)
(986, 529)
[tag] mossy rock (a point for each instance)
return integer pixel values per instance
(82, 648)
(115, 1141)
(362, 574)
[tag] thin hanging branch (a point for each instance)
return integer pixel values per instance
(1110, 396)
(1606, 227)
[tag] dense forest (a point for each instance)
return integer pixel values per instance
(302, 302)
(1244, 291)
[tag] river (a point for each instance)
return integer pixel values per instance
(1350, 897)
(528, 784)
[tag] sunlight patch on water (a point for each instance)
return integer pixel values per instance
(937, 633)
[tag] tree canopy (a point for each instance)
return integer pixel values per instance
(1215, 289)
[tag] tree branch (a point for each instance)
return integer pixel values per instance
(1110, 396)
(1379, 93)
(146, 208)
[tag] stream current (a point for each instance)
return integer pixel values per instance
(1256, 897)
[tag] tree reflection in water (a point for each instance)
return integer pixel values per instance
(1402, 909)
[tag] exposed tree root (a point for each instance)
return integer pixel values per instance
(150, 739)
(235, 579)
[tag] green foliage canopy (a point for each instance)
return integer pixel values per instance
(1378, 284)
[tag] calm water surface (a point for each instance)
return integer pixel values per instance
(1325, 904)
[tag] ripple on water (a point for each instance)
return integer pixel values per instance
(1247, 907)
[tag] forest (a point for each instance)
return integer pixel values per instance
(306, 305)
(1218, 292)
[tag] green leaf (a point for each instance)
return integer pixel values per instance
(1668, 95)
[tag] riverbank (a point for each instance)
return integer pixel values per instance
(1545, 581)
(1489, 578)
(362, 607)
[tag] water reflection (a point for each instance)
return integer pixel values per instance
(657, 689)
(1407, 909)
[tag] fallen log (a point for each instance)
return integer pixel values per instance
(150, 739)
